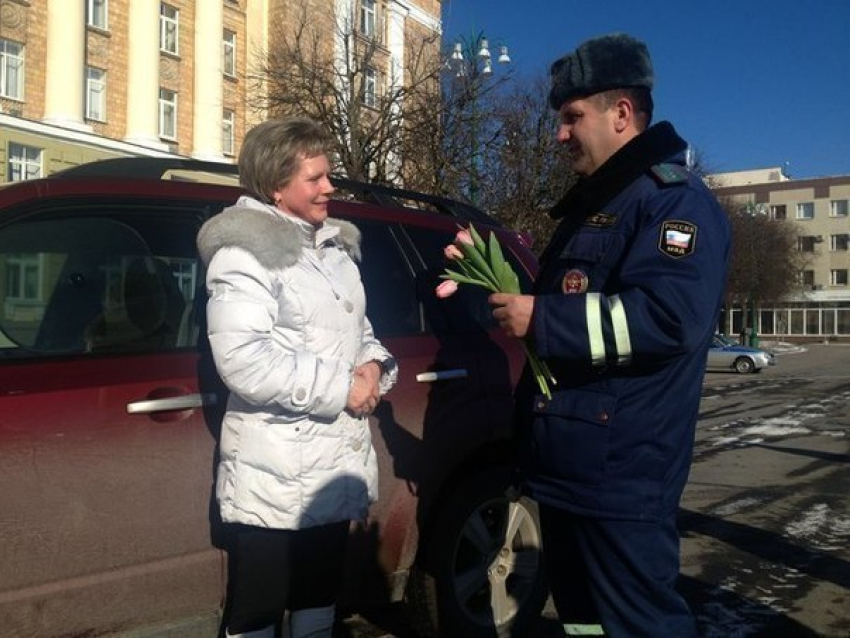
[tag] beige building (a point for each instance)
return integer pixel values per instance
(87, 79)
(820, 209)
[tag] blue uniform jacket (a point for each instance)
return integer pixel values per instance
(625, 309)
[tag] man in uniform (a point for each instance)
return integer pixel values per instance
(623, 311)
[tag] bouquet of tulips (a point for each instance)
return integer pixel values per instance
(483, 264)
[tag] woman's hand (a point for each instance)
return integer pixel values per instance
(364, 393)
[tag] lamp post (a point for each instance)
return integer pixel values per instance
(472, 64)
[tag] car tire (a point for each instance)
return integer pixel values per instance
(744, 365)
(481, 573)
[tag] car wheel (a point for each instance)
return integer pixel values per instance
(744, 365)
(481, 573)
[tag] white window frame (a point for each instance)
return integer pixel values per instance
(168, 114)
(807, 278)
(228, 63)
(806, 243)
(839, 242)
(779, 211)
(25, 162)
(370, 87)
(95, 94)
(11, 69)
(806, 210)
(838, 277)
(24, 278)
(169, 29)
(839, 208)
(97, 14)
(368, 18)
(228, 131)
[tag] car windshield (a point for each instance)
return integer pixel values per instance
(723, 340)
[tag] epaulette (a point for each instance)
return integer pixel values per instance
(670, 173)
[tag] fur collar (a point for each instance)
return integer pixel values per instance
(272, 239)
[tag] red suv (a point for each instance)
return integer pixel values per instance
(110, 410)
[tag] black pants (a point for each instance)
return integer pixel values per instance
(272, 570)
(620, 574)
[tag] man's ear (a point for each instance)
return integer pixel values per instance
(623, 114)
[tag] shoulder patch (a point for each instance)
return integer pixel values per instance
(670, 173)
(677, 238)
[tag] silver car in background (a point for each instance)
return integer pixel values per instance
(725, 353)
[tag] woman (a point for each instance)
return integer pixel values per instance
(290, 338)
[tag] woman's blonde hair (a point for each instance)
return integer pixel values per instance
(272, 152)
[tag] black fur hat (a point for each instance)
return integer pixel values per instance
(608, 62)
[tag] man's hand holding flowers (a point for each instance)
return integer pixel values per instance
(482, 264)
(513, 312)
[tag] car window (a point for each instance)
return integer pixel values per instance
(84, 283)
(391, 302)
(465, 311)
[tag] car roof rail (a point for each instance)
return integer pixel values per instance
(193, 170)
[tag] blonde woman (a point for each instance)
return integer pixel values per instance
(289, 335)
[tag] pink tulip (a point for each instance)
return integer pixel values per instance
(464, 237)
(446, 289)
(452, 252)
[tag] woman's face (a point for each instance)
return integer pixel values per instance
(306, 195)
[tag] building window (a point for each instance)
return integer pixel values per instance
(229, 62)
(838, 277)
(779, 212)
(23, 278)
(806, 210)
(95, 94)
(839, 242)
(169, 23)
(370, 87)
(11, 70)
(806, 243)
(25, 162)
(228, 133)
(367, 18)
(838, 208)
(807, 278)
(96, 13)
(168, 114)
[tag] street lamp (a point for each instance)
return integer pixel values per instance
(471, 63)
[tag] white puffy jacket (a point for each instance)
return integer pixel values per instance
(287, 326)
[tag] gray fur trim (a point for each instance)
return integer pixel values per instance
(608, 62)
(272, 240)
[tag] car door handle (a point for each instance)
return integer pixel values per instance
(185, 402)
(442, 375)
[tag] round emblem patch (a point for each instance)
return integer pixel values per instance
(574, 282)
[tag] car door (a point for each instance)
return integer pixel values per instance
(107, 418)
(452, 398)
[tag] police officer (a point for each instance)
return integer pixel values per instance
(623, 310)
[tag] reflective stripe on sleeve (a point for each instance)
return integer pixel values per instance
(620, 325)
(572, 629)
(594, 328)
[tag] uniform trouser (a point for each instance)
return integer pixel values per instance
(620, 574)
(271, 571)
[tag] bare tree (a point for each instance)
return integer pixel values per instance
(324, 67)
(530, 171)
(764, 261)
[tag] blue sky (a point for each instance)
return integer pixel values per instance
(749, 83)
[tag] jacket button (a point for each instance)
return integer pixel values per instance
(300, 394)
(541, 404)
(356, 446)
(603, 416)
(349, 307)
